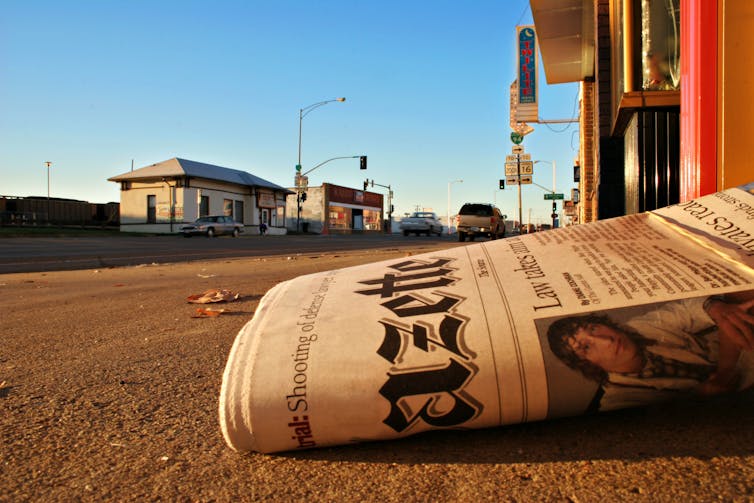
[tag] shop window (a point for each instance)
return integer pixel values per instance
(228, 207)
(151, 209)
(372, 220)
(340, 218)
(661, 44)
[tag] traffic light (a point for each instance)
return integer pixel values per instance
(303, 197)
(502, 184)
(366, 182)
(363, 162)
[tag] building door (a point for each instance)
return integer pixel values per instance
(358, 220)
(151, 209)
(203, 206)
(238, 212)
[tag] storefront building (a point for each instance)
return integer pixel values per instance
(331, 209)
(162, 197)
(665, 106)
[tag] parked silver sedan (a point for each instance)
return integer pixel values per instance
(212, 226)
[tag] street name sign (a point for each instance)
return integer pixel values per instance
(553, 196)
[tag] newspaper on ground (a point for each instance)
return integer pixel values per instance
(615, 313)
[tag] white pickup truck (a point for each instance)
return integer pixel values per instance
(480, 219)
(421, 222)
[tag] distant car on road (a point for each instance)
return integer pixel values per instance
(421, 222)
(212, 226)
(480, 219)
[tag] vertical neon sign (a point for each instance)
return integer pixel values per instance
(527, 65)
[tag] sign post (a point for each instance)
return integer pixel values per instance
(519, 169)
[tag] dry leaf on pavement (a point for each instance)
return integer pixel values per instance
(208, 312)
(213, 295)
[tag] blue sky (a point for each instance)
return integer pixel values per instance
(93, 86)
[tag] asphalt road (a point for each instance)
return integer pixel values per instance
(109, 391)
(29, 254)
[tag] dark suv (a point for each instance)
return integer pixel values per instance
(480, 219)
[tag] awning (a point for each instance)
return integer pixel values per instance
(565, 33)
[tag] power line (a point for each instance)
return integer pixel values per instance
(526, 7)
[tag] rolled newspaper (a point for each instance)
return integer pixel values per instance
(610, 314)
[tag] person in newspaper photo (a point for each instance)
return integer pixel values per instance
(700, 346)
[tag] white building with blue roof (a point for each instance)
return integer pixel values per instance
(162, 197)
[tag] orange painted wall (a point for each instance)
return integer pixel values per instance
(736, 93)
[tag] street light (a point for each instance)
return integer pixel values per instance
(303, 112)
(449, 184)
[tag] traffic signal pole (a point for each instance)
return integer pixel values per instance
(301, 178)
(554, 214)
(389, 202)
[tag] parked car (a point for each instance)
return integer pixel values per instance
(212, 226)
(421, 222)
(480, 219)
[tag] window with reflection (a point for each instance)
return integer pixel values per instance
(661, 44)
(372, 220)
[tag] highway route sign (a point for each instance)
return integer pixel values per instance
(520, 157)
(511, 168)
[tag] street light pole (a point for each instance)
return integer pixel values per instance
(449, 184)
(48, 163)
(554, 205)
(303, 112)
